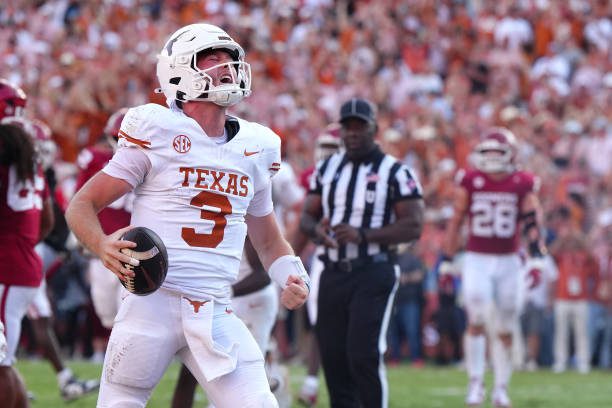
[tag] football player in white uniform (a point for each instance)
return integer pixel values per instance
(255, 302)
(200, 178)
(255, 298)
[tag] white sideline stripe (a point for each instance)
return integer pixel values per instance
(382, 341)
(141, 256)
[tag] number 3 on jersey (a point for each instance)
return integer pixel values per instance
(215, 207)
(493, 218)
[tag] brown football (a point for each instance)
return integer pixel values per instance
(153, 256)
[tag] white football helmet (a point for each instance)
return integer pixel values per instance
(496, 151)
(181, 80)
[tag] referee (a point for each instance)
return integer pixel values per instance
(361, 203)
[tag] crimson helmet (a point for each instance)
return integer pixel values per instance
(113, 124)
(12, 99)
(328, 142)
(502, 142)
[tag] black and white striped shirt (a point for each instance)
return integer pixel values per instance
(362, 195)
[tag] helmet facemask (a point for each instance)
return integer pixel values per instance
(496, 152)
(493, 160)
(232, 87)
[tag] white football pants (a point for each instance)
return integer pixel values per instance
(209, 338)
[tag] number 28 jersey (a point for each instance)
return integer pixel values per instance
(195, 193)
(494, 208)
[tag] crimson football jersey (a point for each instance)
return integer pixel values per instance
(116, 215)
(21, 206)
(494, 209)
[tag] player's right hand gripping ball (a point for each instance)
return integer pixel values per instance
(151, 252)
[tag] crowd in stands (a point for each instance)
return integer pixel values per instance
(440, 71)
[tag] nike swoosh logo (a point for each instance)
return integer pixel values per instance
(250, 153)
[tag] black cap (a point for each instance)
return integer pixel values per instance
(358, 108)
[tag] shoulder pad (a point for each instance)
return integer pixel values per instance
(273, 158)
(270, 144)
(135, 125)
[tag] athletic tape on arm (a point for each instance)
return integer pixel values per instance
(287, 265)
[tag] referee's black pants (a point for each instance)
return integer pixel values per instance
(352, 319)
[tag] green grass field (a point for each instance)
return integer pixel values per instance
(409, 387)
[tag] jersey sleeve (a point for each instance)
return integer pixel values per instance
(405, 185)
(286, 189)
(261, 204)
(133, 160)
(272, 154)
(131, 165)
(268, 164)
(135, 128)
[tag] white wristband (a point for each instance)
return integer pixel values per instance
(287, 265)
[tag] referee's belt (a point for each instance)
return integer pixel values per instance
(348, 265)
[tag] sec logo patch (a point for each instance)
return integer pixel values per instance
(181, 144)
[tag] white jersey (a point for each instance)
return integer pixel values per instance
(195, 193)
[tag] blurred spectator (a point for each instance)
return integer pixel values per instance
(601, 241)
(540, 274)
(449, 320)
(512, 31)
(577, 275)
(405, 320)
